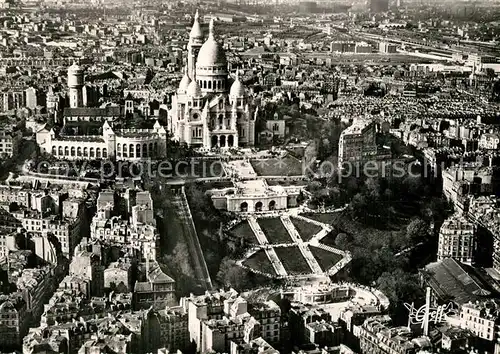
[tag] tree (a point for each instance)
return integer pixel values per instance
(417, 231)
(413, 186)
(232, 275)
(400, 287)
(67, 130)
(342, 241)
(359, 205)
(490, 73)
(495, 92)
(372, 188)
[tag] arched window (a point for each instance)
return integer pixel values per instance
(210, 85)
(204, 84)
(151, 151)
(131, 150)
(72, 151)
(219, 84)
(125, 154)
(54, 150)
(221, 119)
(138, 150)
(145, 150)
(92, 152)
(98, 153)
(85, 152)
(79, 151)
(119, 147)
(104, 153)
(60, 151)
(66, 151)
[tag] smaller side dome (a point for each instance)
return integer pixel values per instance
(194, 90)
(184, 84)
(237, 88)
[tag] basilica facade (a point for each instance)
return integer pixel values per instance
(210, 110)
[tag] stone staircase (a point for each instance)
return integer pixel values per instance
(276, 262)
(261, 236)
(306, 252)
(271, 254)
(315, 222)
(342, 263)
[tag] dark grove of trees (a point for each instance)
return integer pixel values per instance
(390, 229)
(219, 249)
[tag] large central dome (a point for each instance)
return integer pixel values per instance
(211, 66)
(211, 52)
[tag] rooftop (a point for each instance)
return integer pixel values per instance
(451, 280)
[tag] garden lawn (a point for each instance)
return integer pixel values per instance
(325, 218)
(287, 166)
(260, 262)
(326, 259)
(244, 230)
(274, 230)
(292, 260)
(306, 229)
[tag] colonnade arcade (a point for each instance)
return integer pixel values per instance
(212, 84)
(62, 151)
(136, 150)
(223, 140)
(259, 206)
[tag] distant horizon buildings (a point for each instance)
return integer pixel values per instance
(377, 6)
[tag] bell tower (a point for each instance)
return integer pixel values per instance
(194, 45)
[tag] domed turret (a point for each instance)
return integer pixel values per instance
(211, 65)
(237, 88)
(184, 84)
(194, 90)
(196, 32)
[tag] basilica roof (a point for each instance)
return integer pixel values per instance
(211, 52)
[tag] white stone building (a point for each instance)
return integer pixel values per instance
(124, 144)
(208, 111)
(457, 239)
(255, 196)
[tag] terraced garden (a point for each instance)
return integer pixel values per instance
(292, 260)
(244, 230)
(329, 239)
(260, 262)
(326, 259)
(274, 230)
(306, 229)
(287, 166)
(325, 218)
